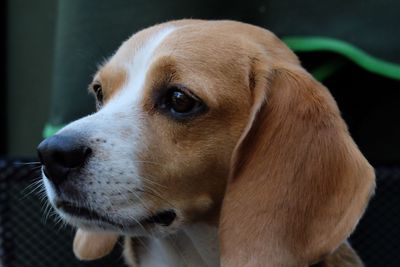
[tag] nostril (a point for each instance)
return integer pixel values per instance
(59, 154)
(73, 158)
(87, 151)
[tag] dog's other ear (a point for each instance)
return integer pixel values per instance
(298, 183)
(92, 246)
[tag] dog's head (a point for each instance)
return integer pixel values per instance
(194, 116)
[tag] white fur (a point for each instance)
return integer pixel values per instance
(195, 245)
(109, 178)
(137, 69)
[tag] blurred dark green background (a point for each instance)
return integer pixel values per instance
(29, 40)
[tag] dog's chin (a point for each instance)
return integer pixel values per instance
(161, 223)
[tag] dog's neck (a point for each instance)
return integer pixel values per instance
(195, 245)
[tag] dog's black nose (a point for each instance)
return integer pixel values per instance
(59, 154)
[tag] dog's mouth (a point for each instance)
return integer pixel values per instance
(162, 218)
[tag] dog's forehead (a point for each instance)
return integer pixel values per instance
(214, 52)
(189, 38)
(141, 42)
(128, 67)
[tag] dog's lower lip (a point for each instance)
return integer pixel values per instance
(78, 211)
(164, 218)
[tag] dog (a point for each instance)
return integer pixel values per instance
(211, 146)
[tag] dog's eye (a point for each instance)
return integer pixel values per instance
(181, 104)
(98, 92)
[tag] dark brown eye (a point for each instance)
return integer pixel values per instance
(181, 103)
(98, 92)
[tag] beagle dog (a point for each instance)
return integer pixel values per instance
(211, 146)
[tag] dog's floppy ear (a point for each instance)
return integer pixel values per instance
(93, 245)
(298, 183)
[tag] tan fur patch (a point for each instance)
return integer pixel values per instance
(297, 183)
(111, 78)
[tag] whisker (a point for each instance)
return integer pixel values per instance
(35, 181)
(144, 206)
(47, 211)
(156, 195)
(146, 161)
(141, 201)
(152, 190)
(28, 163)
(144, 229)
(124, 228)
(35, 168)
(59, 222)
(42, 195)
(33, 187)
(151, 181)
(181, 254)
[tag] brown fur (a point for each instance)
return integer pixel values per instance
(111, 79)
(301, 167)
(296, 182)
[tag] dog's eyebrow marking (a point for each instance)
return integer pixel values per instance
(137, 69)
